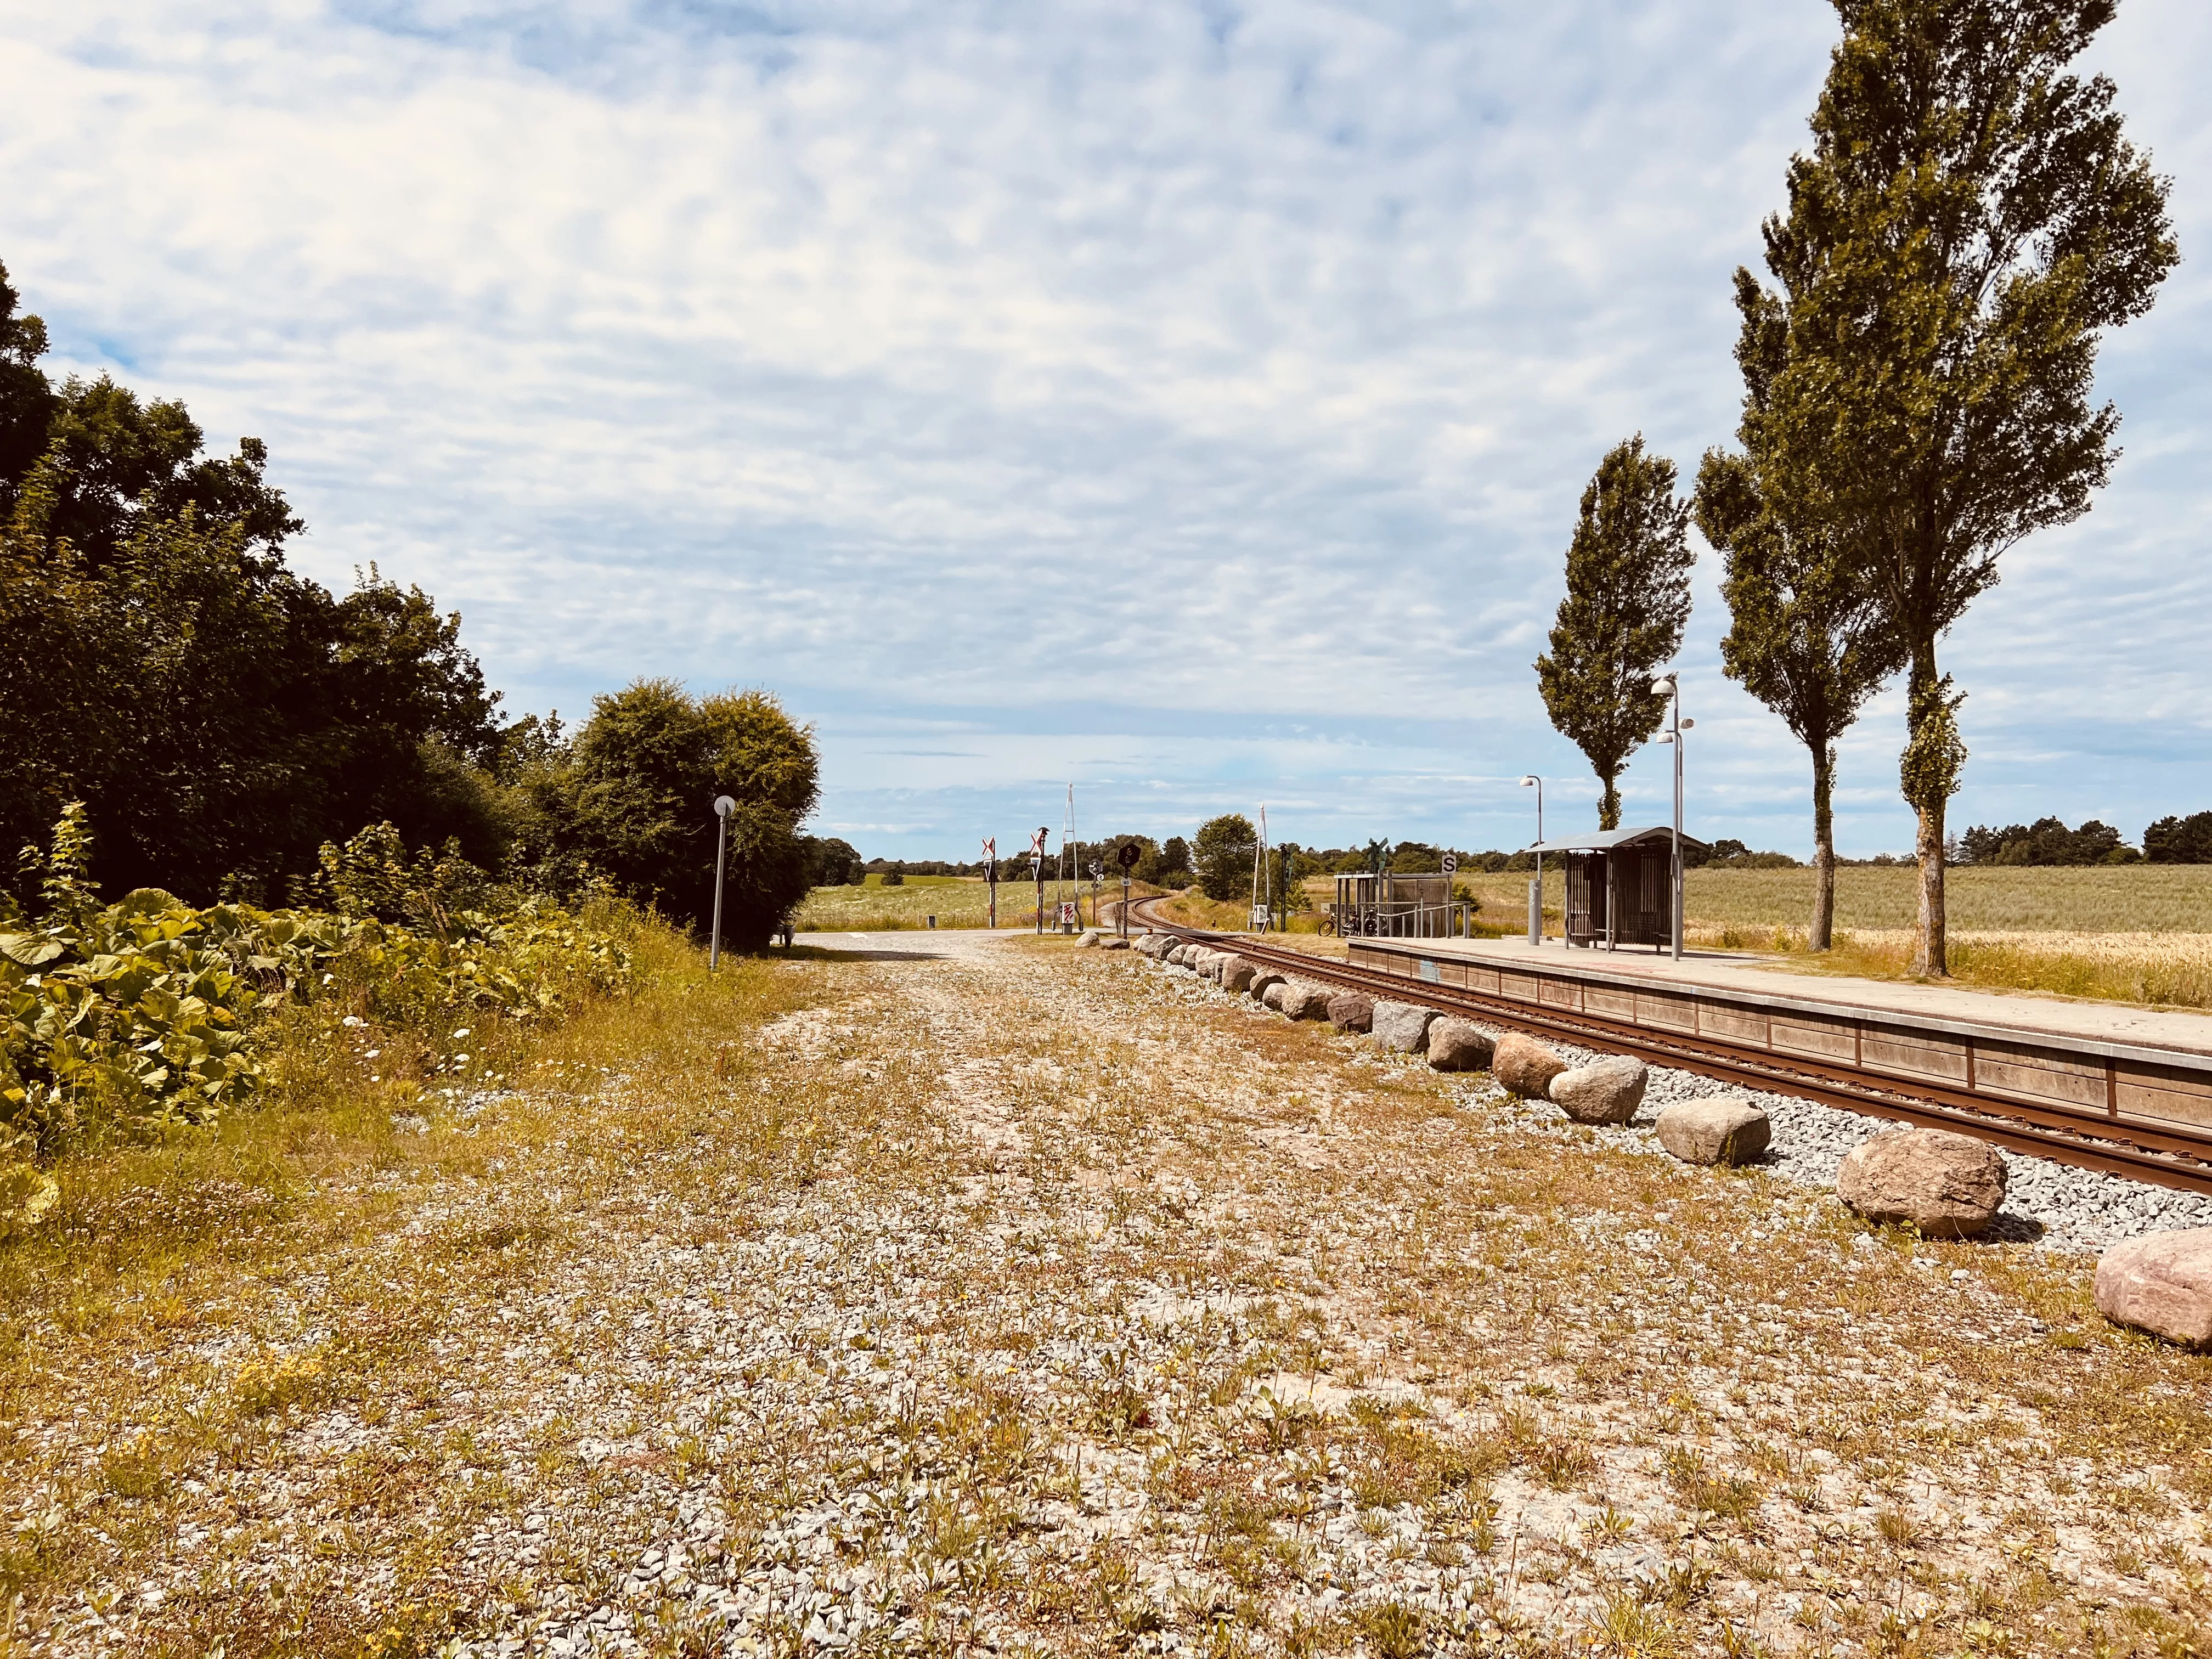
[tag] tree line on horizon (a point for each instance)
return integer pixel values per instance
(230, 726)
(1917, 372)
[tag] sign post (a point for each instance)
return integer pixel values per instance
(723, 807)
(1451, 869)
(1036, 868)
(991, 874)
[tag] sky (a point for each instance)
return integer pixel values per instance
(1187, 401)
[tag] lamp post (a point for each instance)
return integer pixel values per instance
(723, 807)
(1536, 887)
(1667, 685)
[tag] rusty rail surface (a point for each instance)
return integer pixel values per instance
(2180, 1156)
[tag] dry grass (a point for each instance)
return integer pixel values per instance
(1192, 908)
(955, 900)
(1036, 1297)
(2156, 969)
(2142, 898)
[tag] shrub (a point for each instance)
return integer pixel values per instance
(142, 1016)
(647, 767)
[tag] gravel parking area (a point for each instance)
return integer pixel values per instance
(944, 1293)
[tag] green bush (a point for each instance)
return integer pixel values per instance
(145, 1016)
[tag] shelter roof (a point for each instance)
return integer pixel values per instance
(1602, 841)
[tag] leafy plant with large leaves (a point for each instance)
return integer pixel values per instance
(146, 1015)
(1969, 221)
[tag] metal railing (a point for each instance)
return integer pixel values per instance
(1403, 919)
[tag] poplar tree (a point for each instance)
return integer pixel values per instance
(1969, 221)
(1628, 599)
(1808, 635)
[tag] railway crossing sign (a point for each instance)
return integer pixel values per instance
(1066, 913)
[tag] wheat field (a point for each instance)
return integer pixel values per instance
(2139, 933)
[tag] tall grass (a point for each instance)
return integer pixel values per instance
(955, 900)
(2141, 898)
(2139, 933)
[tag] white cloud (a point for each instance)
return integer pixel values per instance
(1192, 400)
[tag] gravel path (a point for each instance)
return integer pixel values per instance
(985, 1297)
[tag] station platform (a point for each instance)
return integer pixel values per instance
(2142, 1073)
(1772, 977)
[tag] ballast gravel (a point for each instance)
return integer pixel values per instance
(2047, 1203)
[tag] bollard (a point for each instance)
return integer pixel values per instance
(932, 922)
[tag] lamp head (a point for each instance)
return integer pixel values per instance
(1528, 782)
(1663, 684)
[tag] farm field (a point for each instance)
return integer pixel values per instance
(2128, 933)
(955, 900)
(1011, 1298)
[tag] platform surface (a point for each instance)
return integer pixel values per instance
(1764, 977)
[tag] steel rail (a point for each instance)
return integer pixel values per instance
(2178, 1159)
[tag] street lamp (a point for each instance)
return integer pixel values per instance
(723, 807)
(1670, 688)
(1536, 887)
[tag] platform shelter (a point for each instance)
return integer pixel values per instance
(1620, 885)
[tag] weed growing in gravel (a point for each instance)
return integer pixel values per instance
(1038, 1298)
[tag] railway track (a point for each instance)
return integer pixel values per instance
(2178, 1157)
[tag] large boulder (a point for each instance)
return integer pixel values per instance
(1525, 1066)
(1089, 941)
(1348, 1011)
(1265, 981)
(1302, 1000)
(2161, 1283)
(1722, 1129)
(1273, 992)
(1401, 1027)
(1238, 974)
(1606, 1090)
(1948, 1185)
(1115, 944)
(1182, 954)
(1458, 1045)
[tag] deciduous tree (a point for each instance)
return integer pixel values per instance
(1808, 634)
(1222, 852)
(648, 765)
(1628, 598)
(1969, 221)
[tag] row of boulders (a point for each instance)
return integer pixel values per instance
(1727, 1130)
(1945, 1185)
